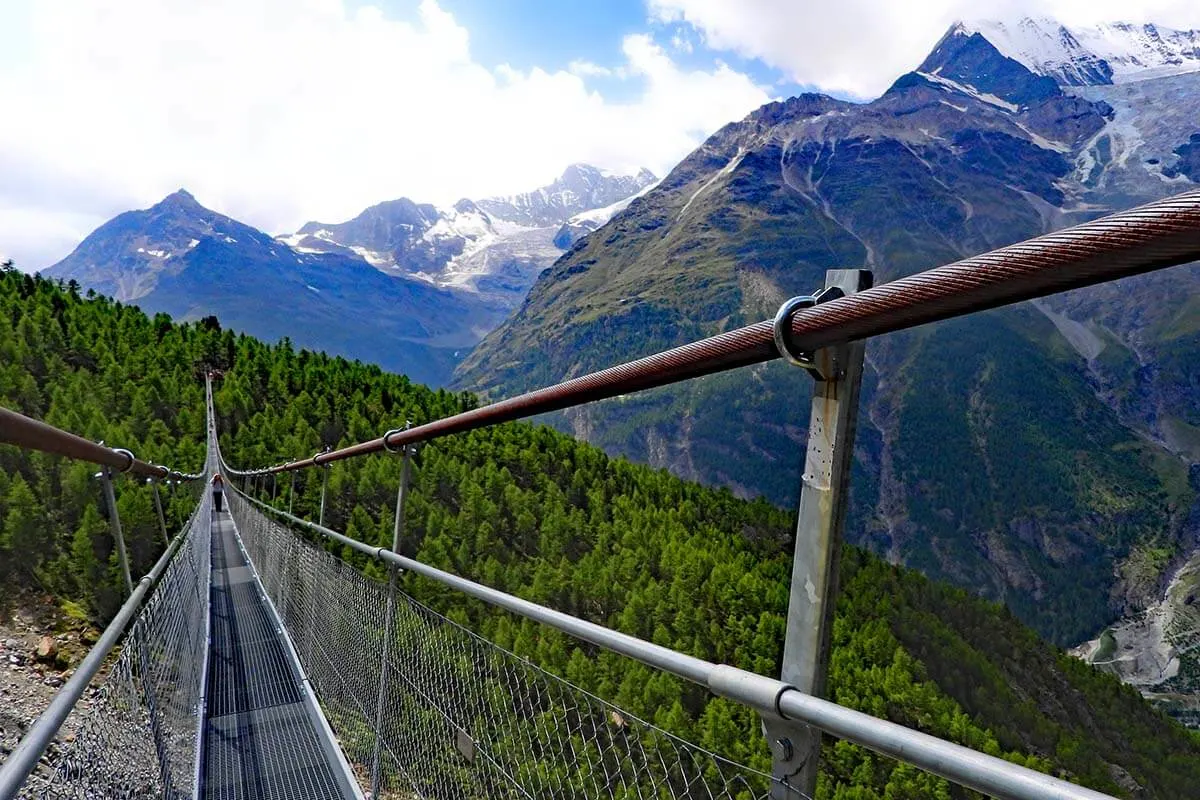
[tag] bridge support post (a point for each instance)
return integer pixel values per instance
(324, 487)
(292, 493)
(114, 520)
(407, 453)
(837, 373)
(162, 520)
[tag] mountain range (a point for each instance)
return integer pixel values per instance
(407, 285)
(1039, 455)
(494, 247)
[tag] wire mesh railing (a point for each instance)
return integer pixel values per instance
(462, 716)
(134, 733)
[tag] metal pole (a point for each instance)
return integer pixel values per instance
(390, 626)
(292, 493)
(274, 486)
(324, 486)
(115, 521)
(162, 520)
(837, 372)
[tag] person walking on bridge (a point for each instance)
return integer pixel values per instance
(218, 486)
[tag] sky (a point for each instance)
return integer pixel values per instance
(281, 111)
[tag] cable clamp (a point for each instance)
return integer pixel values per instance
(782, 326)
(407, 450)
(129, 458)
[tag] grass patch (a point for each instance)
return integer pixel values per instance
(1183, 322)
(75, 611)
(1184, 436)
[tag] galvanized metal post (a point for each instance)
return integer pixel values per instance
(292, 493)
(162, 520)
(837, 372)
(114, 521)
(390, 625)
(274, 486)
(324, 486)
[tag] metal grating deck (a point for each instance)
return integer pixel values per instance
(262, 738)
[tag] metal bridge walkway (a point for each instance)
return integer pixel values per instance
(264, 735)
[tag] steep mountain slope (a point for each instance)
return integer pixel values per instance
(182, 259)
(990, 454)
(494, 247)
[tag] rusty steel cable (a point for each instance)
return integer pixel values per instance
(1161, 234)
(31, 434)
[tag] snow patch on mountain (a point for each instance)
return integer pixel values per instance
(1109, 53)
(600, 216)
(985, 97)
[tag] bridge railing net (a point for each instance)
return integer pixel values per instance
(133, 734)
(462, 717)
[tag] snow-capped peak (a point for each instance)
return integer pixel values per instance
(1116, 52)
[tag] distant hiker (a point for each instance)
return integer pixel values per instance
(218, 485)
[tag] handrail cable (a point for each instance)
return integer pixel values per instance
(962, 765)
(1161, 234)
(31, 434)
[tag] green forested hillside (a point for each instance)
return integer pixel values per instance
(108, 373)
(531, 511)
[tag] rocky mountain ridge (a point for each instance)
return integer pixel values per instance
(494, 247)
(1110, 53)
(407, 285)
(183, 259)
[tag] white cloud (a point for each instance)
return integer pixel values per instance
(278, 111)
(588, 69)
(680, 42)
(858, 47)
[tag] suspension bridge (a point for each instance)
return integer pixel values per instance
(251, 662)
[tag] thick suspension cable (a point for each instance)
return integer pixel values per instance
(31, 434)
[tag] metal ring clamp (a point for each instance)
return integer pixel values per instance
(781, 328)
(388, 447)
(131, 459)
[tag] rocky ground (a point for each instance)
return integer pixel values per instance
(39, 648)
(1157, 651)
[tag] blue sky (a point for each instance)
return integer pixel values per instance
(552, 35)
